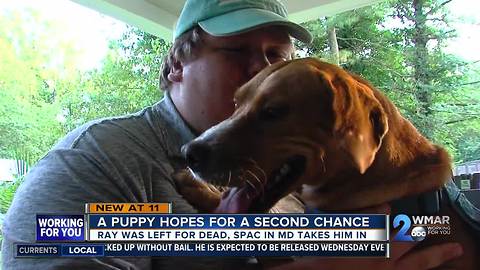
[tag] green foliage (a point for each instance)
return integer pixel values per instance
(127, 81)
(399, 47)
(27, 112)
(42, 96)
(7, 191)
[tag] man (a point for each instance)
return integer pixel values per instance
(219, 45)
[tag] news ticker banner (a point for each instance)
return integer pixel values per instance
(228, 249)
(109, 229)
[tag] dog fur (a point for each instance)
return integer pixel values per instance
(353, 148)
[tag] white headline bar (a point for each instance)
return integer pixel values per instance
(357, 235)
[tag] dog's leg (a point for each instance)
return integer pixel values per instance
(201, 195)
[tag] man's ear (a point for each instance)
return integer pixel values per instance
(365, 138)
(176, 72)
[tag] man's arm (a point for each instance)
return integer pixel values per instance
(61, 183)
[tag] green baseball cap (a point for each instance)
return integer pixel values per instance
(231, 17)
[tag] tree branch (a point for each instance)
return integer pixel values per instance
(463, 104)
(435, 9)
(468, 63)
(459, 120)
(464, 114)
(469, 83)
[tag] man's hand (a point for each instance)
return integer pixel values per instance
(423, 259)
(237, 200)
(403, 255)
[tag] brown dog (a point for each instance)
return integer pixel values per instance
(309, 123)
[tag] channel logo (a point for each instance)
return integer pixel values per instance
(416, 228)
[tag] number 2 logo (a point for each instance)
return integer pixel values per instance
(402, 233)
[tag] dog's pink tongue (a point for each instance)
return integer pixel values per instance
(236, 200)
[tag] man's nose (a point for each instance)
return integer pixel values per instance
(258, 62)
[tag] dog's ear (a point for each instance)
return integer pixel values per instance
(360, 122)
(363, 140)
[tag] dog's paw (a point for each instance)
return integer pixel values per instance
(201, 195)
(183, 179)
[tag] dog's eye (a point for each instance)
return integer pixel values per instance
(273, 113)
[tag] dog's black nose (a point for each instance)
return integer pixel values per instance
(196, 155)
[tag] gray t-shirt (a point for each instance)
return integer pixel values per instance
(124, 159)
